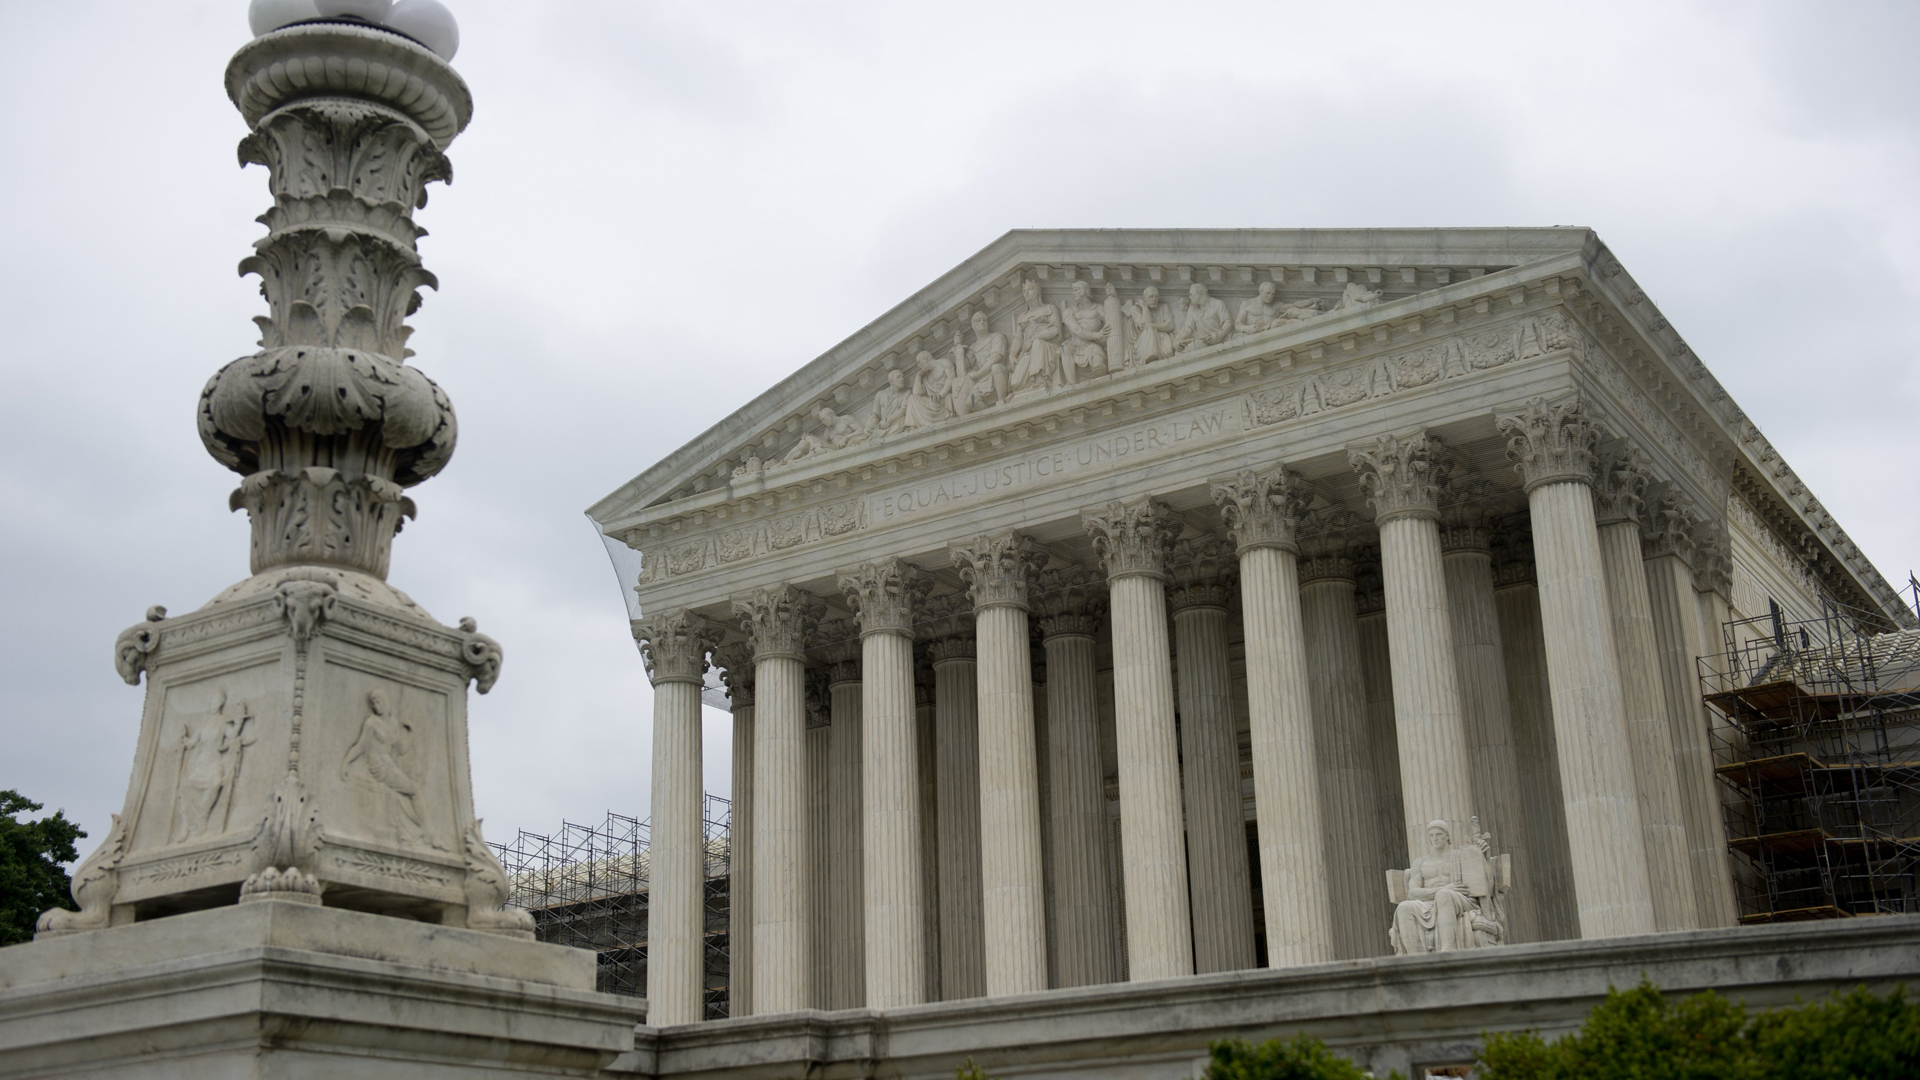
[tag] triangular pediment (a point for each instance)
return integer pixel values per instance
(1299, 281)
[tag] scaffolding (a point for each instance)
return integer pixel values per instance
(1816, 738)
(586, 886)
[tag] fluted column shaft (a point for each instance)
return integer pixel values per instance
(740, 860)
(1436, 781)
(675, 644)
(820, 888)
(1084, 926)
(783, 850)
(1350, 819)
(846, 808)
(956, 706)
(895, 956)
(1677, 641)
(1220, 892)
(926, 741)
(1542, 805)
(1662, 826)
(1481, 665)
(1376, 671)
(1012, 879)
(1132, 539)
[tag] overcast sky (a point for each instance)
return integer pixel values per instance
(660, 210)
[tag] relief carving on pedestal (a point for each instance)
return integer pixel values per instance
(384, 761)
(212, 748)
(1452, 897)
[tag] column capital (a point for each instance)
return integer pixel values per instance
(1200, 574)
(959, 646)
(734, 658)
(1326, 562)
(818, 703)
(1465, 528)
(1369, 586)
(1263, 508)
(1070, 602)
(776, 620)
(885, 593)
(1668, 529)
(1132, 537)
(1551, 442)
(1620, 485)
(675, 644)
(844, 670)
(996, 568)
(1512, 555)
(1402, 475)
(1712, 569)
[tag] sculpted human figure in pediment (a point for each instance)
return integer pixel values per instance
(1257, 313)
(837, 432)
(1207, 321)
(1119, 349)
(1086, 325)
(1037, 362)
(931, 399)
(888, 415)
(1357, 295)
(1152, 321)
(983, 365)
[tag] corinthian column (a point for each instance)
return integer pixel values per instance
(1069, 612)
(783, 849)
(1013, 883)
(846, 846)
(675, 645)
(1619, 504)
(1552, 445)
(1667, 546)
(739, 679)
(1221, 897)
(1132, 539)
(1403, 479)
(1467, 553)
(1350, 819)
(956, 720)
(895, 940)
(1262, 511)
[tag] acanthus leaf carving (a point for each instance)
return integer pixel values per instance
(997, 567)
(1551, 442)
(1403, 475)
(885, 594)
(1263, 508)
(776, 620)
(674, 644)
(1132, 536)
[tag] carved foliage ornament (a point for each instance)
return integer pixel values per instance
(1072, 600)
(776, 621)
(674, 645)
(1132, 537)
(1620, 486)
(1403, 475)
(1200, 574)
(1551, 442)
(1668, 529)
(885, 593)
(1264, 509)
(997, 568)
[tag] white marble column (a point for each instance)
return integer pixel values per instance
(783, 850)
(820, 888)
(1068, 615)
(675, 644)
(846, 845)
(1132, 539)
(739, 679)
(1620, 486)
(1467, 554)
(1403, 478)
(1542, 805)
(1013, 886)
(1219, 892)
(926, 740)
(1376, 674)
(956, 708)
(1667, 548)
(1351, 823)
(895, 958)
(1553, 447)
(1262, 511)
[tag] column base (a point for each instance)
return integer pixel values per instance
(292, 991)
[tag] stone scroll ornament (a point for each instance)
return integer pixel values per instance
(328, 426)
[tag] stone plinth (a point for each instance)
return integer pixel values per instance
(332, 993)
(1391, 1013)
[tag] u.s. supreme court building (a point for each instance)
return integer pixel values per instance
(1144, 606)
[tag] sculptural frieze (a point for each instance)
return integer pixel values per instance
(1206, 323)
(384, 761)
(1453, 897)
(212, 748)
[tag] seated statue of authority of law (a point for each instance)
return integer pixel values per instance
(1452, 897)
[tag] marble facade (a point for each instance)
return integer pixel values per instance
(1231, 564)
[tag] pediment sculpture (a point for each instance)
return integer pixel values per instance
(1051, 347)
(1453, 897)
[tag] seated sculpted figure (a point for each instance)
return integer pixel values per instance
(1207, 321)
(1085, 351)
(1452, 897)
(982, 365)
(1152, 320)
(1037, 359)
(1257, 313)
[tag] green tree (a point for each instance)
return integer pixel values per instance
(1299, 1058)
(31, 854)
(1639, 1034)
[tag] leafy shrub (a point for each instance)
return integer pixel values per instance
(1299, 1058)
(1639, 1034)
